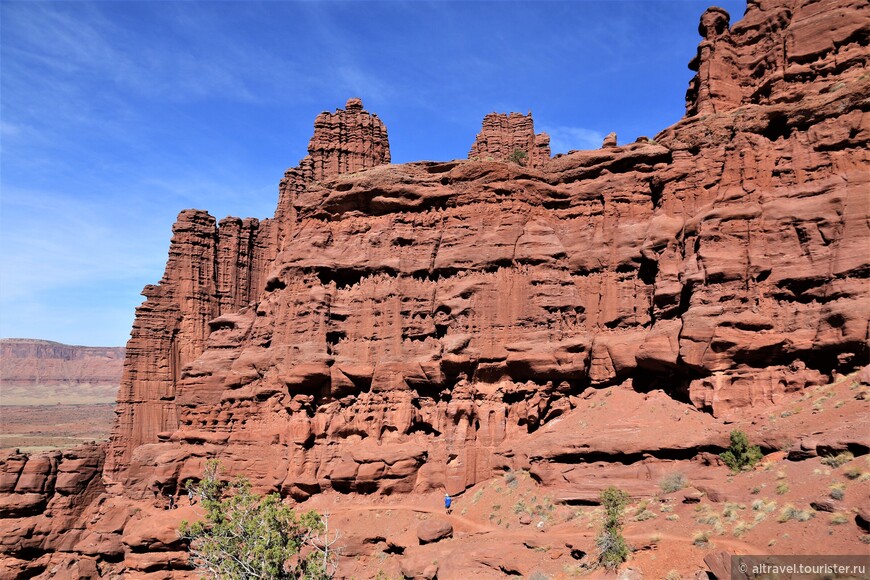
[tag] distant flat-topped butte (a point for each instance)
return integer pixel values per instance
(55, 395)
(519, 331)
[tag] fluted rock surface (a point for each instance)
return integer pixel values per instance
(349, 140)
(212, 268)
(215, 269)
(43, 502)
(413, 327)
(511, 138)
(427, 312)
(418, 316)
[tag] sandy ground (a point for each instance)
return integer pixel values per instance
(765, 511)
(37, 428)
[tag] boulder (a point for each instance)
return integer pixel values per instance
(433, 530)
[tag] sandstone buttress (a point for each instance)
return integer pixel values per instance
(416, 327)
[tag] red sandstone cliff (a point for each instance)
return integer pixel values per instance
(439, 310)
(401, 328)
(215, 269)
(511, 138)
(723, 260)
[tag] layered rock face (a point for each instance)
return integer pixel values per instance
(415, 317)
(212, 268)
(401, 328)
(774, 257)
(511, 138)
(45, 362)
(215, 269)
(43, 499)
(777, 47)
(349, 140)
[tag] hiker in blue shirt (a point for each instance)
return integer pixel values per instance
(447, 502)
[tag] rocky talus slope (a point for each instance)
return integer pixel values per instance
(405, 329)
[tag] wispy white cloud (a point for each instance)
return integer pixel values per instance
(564, 138)
(49, 241)
(9, 129)
(359, 82)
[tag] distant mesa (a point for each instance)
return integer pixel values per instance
(34, 371)
(602, 317)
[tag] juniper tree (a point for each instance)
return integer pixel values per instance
(246, 536)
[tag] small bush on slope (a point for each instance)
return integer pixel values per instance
(741, 455)
(612, 549)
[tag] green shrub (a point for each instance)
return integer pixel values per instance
(741, 455)
(806, 515)
(732, 510)
(644, 515)
(518, 156)
(248, 536)
(612, 549)
(782, 488)
(789, 512)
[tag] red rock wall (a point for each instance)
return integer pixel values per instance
(505, 136)
(417, 316)
(42, 502)
(349, 140)
(774, 260)
(216, 270)
(211, 269)
(408, 327)
(775, 48)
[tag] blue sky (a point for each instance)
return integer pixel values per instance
(114, 116)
